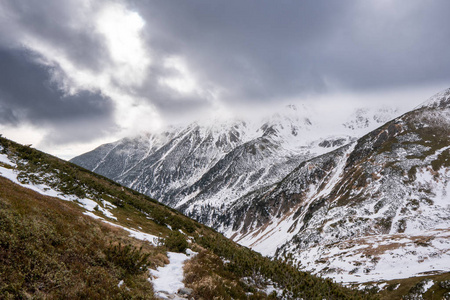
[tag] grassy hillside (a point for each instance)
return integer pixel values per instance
(50, 249)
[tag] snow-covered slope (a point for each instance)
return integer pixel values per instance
(203, 168)
(375, 206)
(39, 182)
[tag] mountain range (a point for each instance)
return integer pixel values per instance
(371, 212)
(360, 201)
(211, 164)
(376, 208)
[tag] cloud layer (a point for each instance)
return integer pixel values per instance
(89, 69)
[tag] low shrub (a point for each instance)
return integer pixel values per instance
(176, 242)
(129, 258)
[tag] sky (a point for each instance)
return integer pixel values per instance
(78, 73)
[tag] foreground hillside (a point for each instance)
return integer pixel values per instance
(68, 233)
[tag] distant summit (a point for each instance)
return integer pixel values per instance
(213, 163)
(441, 99)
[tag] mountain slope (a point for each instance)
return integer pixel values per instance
(67, 232)
(375, 209)
(203, 168)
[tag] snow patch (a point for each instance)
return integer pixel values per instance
(88, 204)
(153, 239)
(168, 280)
(400, 256)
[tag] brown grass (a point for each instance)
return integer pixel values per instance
(49, 250)
(206, 275)
(434, 293)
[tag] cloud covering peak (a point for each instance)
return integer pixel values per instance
(88, 70)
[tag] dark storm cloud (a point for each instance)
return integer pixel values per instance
(7, 115)
(27, 93)
(269, 50)
(400, 46)
(59, 23)
(249, 51)
(253, 49)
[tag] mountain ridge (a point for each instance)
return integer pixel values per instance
(257, 153)
(285, 215)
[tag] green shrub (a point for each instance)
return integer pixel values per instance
(129, 258)
(176, 242)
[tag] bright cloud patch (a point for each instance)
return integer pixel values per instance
(119, 75)
(182, 80)
(121, 29)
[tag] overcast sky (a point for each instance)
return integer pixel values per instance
(77, 73)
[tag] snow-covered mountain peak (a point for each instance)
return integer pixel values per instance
(375, 199)
(290, 126)
(369, 118)
(222, 158)
(441, 99)
(292, 113)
